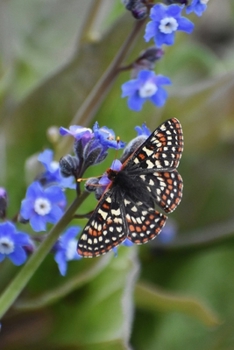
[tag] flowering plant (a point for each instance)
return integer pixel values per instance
(68, 133)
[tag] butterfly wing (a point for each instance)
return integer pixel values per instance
(117, 216)
(144, 223)
(165, 188)
(106, 227)
(162, 150)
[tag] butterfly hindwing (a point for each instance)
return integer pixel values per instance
(144, 223)
(105, 229)
(165, 188)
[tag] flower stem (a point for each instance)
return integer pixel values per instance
(20, 281)
(91, 104)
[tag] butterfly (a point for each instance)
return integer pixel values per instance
(148, 177)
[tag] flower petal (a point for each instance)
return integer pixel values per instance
(160, 97)
(185, 25)
(18, 257)
(60, 259)
(167, 39)
(150, 30)
(38, 223)
(54, 215)
(55, 194)
(129, 87)
(174, 11)
(26, 210)
(135, 102)
(158, 12)
(22, 238)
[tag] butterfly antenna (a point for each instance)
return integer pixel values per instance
(80, 179)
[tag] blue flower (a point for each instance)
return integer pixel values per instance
(52, 173)
(12, 243)
(105, 181)
(116, 166)
(107, 137)
(42, 205)
(77, 131)
(143, 130)
(147, 86)
(197, 6)
(166, 20)
(66, 249)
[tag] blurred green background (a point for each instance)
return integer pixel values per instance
(157, 296)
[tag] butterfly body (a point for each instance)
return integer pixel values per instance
(147, 178)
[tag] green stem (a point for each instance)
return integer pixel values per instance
(91, 104)
(20, 281)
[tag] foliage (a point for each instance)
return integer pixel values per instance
(59, 66)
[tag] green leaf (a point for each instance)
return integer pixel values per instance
(155, 299)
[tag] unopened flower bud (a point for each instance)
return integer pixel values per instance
(180, 2)
(3, 202)
(137, 8)
(132, 146)
(147, 60)
(69, 165)
(93, 153)
(91, 184)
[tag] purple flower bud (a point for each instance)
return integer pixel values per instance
(91, 184)
(69, 166)
(132, 146)
(181, 2)
(3, 202)
(137, 8)
(93, 153)
(147, 60)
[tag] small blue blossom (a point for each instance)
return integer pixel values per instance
(106, 137)
(116, 166)
(66, 249)
(197, 6)
(166, 20)
(105, 181)
(52, 173)
(147, 86)
(77, 131)
(143, 130)
(42, 205)
(12, 244)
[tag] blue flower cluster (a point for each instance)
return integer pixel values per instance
(165, 22)
(45, 199)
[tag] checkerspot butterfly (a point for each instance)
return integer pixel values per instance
(147, 178)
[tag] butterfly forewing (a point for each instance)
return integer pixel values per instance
(105, 229)
(163, 148)
(144, 223)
